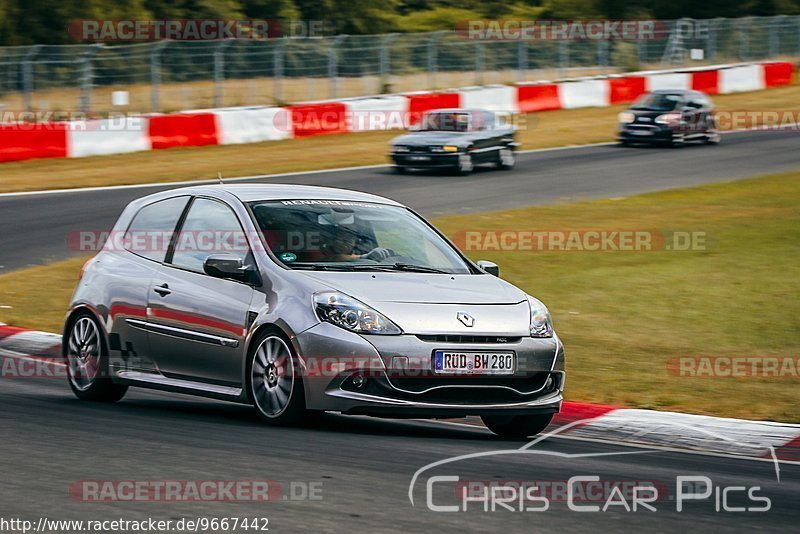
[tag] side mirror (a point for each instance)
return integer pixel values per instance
(228, 266)
(489, 267)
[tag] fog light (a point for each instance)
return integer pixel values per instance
(359, 381)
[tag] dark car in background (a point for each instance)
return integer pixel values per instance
(456, 139)
(669, 117)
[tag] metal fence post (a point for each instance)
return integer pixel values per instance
(277, 67)
(744, 40)
(86, 77)
(219, 70)
(386, 60)
(797, 28)
(774, 33)
(563, 56)
(27, 76)
(602, 55)
(713, 32)
(333, 65)
(522, 59)
(432, 58)
(479, 62)
(155, 73)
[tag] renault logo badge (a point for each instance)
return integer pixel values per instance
(466, 319)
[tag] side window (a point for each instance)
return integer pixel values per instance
(151, 229)
(211, 227)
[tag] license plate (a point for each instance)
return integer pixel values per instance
(641, 132)
(474, 363)
(418, 158)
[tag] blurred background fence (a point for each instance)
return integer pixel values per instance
(176, 75)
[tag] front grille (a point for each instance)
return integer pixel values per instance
(642, 127)
(418, 149)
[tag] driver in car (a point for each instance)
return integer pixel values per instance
(342, 244)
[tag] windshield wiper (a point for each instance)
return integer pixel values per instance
(320, 267)
(417, 268)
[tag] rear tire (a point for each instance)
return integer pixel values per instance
(274, 380)
(517, 426)
(86, 355)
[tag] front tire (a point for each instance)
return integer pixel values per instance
(86, 354)
(506, 159)
(465, 164)
(517, 426)
(275, 381)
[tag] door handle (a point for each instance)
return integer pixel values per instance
(162, 290)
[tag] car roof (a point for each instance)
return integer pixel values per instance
(256, 192)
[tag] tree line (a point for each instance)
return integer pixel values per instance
(24, 22)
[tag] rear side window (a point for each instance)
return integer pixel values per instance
(151, 230)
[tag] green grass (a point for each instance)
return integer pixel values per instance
(623, 315)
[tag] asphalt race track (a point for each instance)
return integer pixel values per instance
(36, 226)
(360, 469)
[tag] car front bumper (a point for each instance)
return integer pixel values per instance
(651, 133)
(399, 381)
(425, 159)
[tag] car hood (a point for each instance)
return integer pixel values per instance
(422, 288)
(431, 138)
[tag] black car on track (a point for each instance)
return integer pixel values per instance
(456, 139)
(669, 117)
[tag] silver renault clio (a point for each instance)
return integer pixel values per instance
(300, 300)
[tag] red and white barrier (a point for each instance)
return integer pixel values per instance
(377, 113)
(777, 74)
(252, 125)
(669, 80)
(706, 81)
(538, 97)
(182, 129)
(320, 118)
(419, 103)
(107, 136)
(497, 98)
(625, 89)
(19, 141)
(584, 94)
(740, 79)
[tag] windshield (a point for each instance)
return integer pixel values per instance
(350, 236)
(445, 122)
(658, 102)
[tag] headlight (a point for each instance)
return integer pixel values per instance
(541, 323)
(400, 148)
(348, 313)
(668, 118)
(626, 117)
